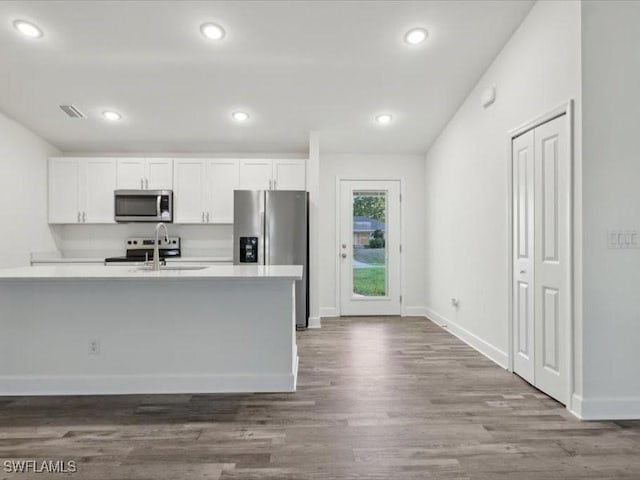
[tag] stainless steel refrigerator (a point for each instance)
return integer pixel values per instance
(270, 227)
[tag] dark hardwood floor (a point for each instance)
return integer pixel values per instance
(378, 398)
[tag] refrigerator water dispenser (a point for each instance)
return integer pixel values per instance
(248, 249)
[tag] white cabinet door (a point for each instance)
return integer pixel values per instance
(145, 173)
(97, 190)
(189, 190)
(256, 174)
(159, 174)
(64, 180)
(131, 173)
(223, 177)
(289, 175)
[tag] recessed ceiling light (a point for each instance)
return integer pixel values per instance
(240, 116)
(111, 115)
(212, 31)
(416, 36)
(27, 29)
(383, 118)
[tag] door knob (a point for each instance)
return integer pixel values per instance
(344, 255)
(522, 272)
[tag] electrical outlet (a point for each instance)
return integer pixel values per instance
(94, 346)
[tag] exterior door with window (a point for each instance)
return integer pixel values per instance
(369, 248)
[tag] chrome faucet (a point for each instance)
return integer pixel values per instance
(156, 246)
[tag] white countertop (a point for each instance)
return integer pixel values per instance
(86, 272)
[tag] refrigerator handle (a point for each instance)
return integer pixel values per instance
(266, 238)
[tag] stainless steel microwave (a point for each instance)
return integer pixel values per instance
(143, 206)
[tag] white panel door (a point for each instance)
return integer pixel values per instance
(256, 174)
(523, 252)
(99, 184)
(223, 177)
(64, 181)
(189, 192)
(369, 248)
(159, 174)
(289, 175)
(131, 173)
(552, 262)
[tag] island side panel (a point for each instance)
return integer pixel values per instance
(154, 336)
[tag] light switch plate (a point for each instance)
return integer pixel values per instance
(623, 239)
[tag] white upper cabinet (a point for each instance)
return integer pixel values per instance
(159, 174)
(223, 177)
(189, 190)
(145, 173)
(81, 190)
(131, 173)
(289, 175)
(268, 174)
(203, 190)
(256, 174)
(64, 195)
(99, 184)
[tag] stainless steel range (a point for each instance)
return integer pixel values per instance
(140, 250)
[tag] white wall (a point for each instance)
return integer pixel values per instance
(408, 167)
(467, 181)
(23, 194)
(611, 196)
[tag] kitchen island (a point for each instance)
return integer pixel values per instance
(73, 330)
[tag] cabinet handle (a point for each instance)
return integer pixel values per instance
(202, 217)
(141, 184)
(146, 183)
(84, 217)
(270, 184)
(79, 217)
(275, 187)
(207, 217)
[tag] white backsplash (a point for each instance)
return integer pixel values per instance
(109, 240)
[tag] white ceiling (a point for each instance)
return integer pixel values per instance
(296, 66)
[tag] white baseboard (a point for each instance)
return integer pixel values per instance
(487, 349)
(414, 311)
(626, 408)
(328, 312)
(145, 384)
(314, 322)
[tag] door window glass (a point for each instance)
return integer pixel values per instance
(369, 262)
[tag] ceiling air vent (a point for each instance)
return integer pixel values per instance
(72, 111)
